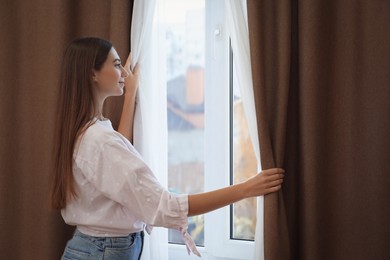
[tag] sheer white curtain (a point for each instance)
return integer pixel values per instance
(238, 29)
(150, 122)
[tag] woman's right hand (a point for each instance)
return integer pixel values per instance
(265, 182)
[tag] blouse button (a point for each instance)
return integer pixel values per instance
(148, 200)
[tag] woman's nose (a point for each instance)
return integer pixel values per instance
(124, 72)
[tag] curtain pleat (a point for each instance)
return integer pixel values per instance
(150, 137)
(34, 35)
(269, 29)
(322, 89)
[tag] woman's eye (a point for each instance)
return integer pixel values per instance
(118, 65)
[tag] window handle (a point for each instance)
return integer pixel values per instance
(217, 34)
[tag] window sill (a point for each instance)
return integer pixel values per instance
(176, 252)
(179, 252)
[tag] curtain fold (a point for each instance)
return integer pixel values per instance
(238, 30)
(321, 84)
(269, 27)
(33, 38)
(150, 121)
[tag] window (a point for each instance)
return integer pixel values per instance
(208, 143)
(185, 45)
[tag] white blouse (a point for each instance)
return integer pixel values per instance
(117, 193)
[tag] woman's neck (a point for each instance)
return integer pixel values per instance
(98, 113)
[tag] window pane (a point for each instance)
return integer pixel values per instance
(244, 166)
(185, 33)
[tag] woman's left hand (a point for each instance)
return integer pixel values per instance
(131, 81)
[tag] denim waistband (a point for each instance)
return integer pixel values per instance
(103, 242)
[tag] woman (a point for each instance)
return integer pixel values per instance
(101, 184)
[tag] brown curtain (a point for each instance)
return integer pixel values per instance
(33, 37)
(321, 72)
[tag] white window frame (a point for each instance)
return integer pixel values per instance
(218, 244)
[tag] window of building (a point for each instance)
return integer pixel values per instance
(208, 142)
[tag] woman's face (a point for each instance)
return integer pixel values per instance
(109, 80)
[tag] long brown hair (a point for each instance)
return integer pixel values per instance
(75, 110)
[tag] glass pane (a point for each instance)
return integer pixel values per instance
(185, 33)
(244, 166)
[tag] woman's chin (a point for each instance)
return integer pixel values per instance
(120, 92)
(117, 94)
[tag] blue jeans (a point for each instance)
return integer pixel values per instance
(82, 247)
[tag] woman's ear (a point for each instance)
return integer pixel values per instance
(94, 76)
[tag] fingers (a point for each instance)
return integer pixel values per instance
(272, 171)
(128, 61)
(127, 66)
(136, 69)
(273, 174)
(268, 181)
(273, 189)
(131, 80)
(275, 183)
(273, 179)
